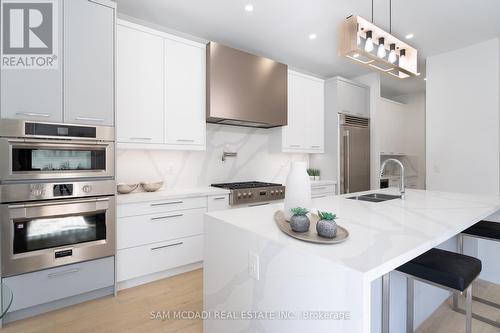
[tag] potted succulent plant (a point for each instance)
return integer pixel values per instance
(316, 174)
(326, 226)
(310, 172)
(299, 222)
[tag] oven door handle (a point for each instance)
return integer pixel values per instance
(65, 202)
(57, 143)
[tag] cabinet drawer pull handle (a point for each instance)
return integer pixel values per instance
(185, 140)
(295, 146)
(219, 198)
(315, 146)
(90, 119)
(70, 271)
(166, 217)
(142, 139)
(33, 114)
(320, 188)
(166, 203)
(166, 246)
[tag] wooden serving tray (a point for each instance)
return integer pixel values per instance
(311, 235)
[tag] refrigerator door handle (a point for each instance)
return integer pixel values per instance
(347, 161)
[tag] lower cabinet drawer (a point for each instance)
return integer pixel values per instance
(323, 190)
(145, 229)
(159, 206)
(143, 260)
(56, 283)
(217, 202)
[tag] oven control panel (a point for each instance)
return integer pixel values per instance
(46, 191)
(254, 195)
(62, 190)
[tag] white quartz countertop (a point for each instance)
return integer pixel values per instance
(167, 194)
(383, 235)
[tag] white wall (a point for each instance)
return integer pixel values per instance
(259, 158)
(463, 120)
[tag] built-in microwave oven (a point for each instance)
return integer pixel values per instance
(41, 151)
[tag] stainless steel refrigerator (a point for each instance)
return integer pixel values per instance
(354, 148)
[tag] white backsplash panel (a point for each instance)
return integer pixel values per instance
(259, 158)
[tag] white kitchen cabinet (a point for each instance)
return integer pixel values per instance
(34, 94)
(89, 40)
(305, 130)
(184, 93)
(352, 98)
(140, 115)
(392, 129)
(217, 202)
(341, 96)
(322, 189)
(161, 90)
(162, 236)
(81, 88)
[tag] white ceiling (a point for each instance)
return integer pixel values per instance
(279, 29)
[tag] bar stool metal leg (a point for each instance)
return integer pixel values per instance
(455, 307)
(385, 302)
(410, 284)
(468, 309)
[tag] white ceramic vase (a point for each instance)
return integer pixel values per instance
(298, 188)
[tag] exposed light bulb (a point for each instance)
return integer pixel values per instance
(369, 42)
(392, 54)
(249, 7)
(381, 48)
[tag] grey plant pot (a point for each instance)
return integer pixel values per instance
(299, 223)
(327, 228)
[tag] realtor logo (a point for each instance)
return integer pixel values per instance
(29, 34)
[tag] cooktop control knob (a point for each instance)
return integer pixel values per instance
(87, 188)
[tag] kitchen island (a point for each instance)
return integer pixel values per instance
(270, 282)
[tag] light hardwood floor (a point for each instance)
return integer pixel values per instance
(130, 311)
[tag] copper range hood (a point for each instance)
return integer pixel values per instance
(244, 89)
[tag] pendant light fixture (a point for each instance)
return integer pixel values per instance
(369, 42)
(392, 54)
(381, 48)
(357, 43)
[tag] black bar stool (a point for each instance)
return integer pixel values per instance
(443, 269)
(485, 230)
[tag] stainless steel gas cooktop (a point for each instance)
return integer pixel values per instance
(253, 192)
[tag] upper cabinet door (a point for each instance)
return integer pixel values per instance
(293, 134)
(34, 94)
(315, 115)
(89, 62)
(353, 99)
(140, 87)
(184, 94)
(305, 130)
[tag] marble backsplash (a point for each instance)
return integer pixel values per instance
(259, 158)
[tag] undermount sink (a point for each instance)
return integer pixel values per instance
(375, 197)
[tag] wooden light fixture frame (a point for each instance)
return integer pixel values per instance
(354, 28)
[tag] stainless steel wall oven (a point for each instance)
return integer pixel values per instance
(57, 194)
